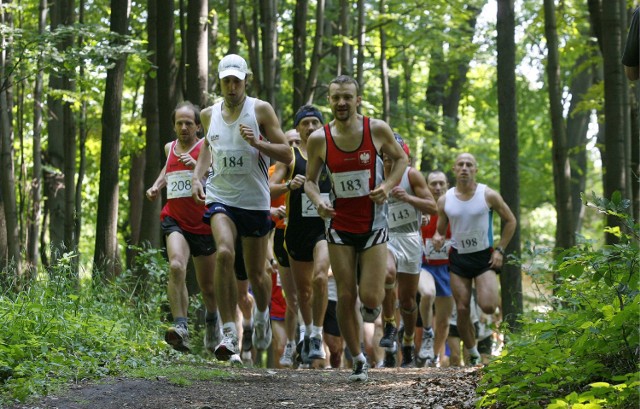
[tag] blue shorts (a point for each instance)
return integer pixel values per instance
(440, 274)
(250, 223)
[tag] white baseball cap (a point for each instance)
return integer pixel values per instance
(233, 64)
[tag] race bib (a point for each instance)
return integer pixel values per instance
(430, 253)
(308, 208)
(351, 184)
(233, 162)
(400, 213)
(469, 242)
(179, 184)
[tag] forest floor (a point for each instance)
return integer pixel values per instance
(441, 388)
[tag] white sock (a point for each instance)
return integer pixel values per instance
(474, 351)
(229, 326)
(308, 330)
(247, 322)
(360, 358)
(316, 332)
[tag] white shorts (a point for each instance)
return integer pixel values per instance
(407, 250)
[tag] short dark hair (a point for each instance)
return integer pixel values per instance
(345, 79)
(188, 104)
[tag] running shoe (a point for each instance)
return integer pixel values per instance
(228, 347)
(178, 337)
(407, 356)
(368, 314)
(316, 349)
(235, 360)
(302, 349)
(475, 360)
(286, 359)
(389, 336)
(261, 334)
(212, 335)
(247, 335)
(390, 359)
(359, 373)
(426, 348)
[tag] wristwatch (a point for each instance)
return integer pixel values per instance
(289, 185)
(500, 250)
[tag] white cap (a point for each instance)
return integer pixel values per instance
(235, 65)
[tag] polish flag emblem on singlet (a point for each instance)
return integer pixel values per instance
(365, 157)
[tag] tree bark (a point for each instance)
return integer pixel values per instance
(616, 124)
(384, 68)
(299, 51)
(316, 56)
(269, 50)
(565, 232)
(197, 52)
(7, 175)
(511, 276)
(167, 70)
(106, 258)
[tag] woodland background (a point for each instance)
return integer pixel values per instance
(535, 90)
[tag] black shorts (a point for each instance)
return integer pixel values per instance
(199, 244)
(301, 242)
(470, 265)
(249, 223)
(330, 324)
(278, 248)
(238, 265)
(453, 331)
(360, 242)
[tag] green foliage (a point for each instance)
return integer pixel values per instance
(584, 352)
(56, 331)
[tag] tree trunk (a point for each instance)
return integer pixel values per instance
(269, 50)
(511, 276)
(233, 27)
(316, 57)
(345, 64)
(384, 68)
(7, 175)
(577, 127)
(167, 70)
(34, 212)
(361, 44)
(106, 250)
(565, 232)
(150, 230)
(299, 51)
(616, 119)
(197, 57)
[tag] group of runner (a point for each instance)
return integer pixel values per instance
(347, 215)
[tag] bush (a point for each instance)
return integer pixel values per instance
(56, 331)
(584, 352)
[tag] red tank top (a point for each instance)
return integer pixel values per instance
(357, 214)
(182, 207)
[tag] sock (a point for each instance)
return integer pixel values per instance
(316, 332)
(428, 331)
(360, 358)
(211, 316)
(407, 339)
(307, 331)
(473, 351)
(301, 331)
(180, 321)
(262, 316)
(229, 327)
(391, 320)
(247, 322)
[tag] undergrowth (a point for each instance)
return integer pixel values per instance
(583, 352)
(57, 330)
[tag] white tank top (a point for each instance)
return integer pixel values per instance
(470, 221)
(403, 217)
(240, 175)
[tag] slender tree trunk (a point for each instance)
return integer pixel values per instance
(384, 68)
(345, 64)
(617, 130)
(565, 232)
(7, 175)
(34, 212)
(106, 251)
(150, 231)
(197, 56)
(299, 51)
(361, 44)
(511, 276)
(316, 56)
(269, 49)
(233, 27)
(167, 70)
